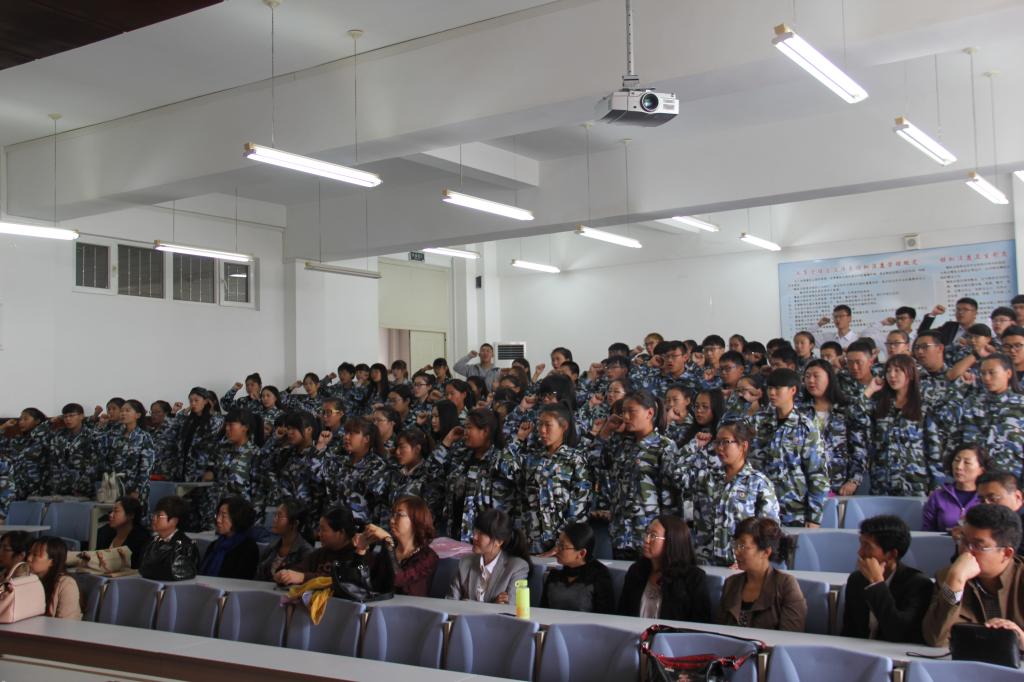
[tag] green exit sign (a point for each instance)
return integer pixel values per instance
(417, 256)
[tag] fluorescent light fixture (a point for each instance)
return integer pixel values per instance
(757, 241)
(816, 64)
(454, 253)
(241, 275)
(986, 188)
(196, 251)
(603, 236)
(689, 223)
(928, 146)
(37, 231)
(305, 164)
(338, 270)
(539, 267)
(1019, 174)
(469, 201)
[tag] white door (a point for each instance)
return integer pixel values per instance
(424, 348)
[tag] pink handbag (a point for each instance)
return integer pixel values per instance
(21, 597)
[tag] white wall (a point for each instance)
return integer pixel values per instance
(712, 283)
(61, 345)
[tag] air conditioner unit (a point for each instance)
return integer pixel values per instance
(507, 351)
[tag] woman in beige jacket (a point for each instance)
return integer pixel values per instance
(762, 596)
(47, 558)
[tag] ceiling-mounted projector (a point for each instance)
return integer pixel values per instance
(638, 107)
(634, 105)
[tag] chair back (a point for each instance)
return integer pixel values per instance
(830, 513)
(691, 644)
(158, 490)
(25, 513)
(405, 634)
(190, 609)
(336, 633)
(826, 551)
(255, 617)
(930, 553)
(816, 594)
(471, 646)
(813, 662)
(602, 539)
(959, 671)
(131, 602)
(586, 652)
(446, 571)
(864, 507)
(69, 520)
(535, 582)
(90, 588)
(618, 580)
(713, 585)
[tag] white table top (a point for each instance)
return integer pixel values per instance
(27, 529)
(800, 530)
(132, 648)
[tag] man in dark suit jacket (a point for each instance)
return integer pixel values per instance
(885, 599)
(966, 314)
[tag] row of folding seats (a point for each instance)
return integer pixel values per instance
(485, 644)
(836, 551)
(819, 619)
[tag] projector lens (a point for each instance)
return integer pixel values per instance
(649, 101)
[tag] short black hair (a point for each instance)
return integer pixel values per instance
(734, 357)
(783, 378)
(1003, 478)
(72, 408)
(786, 355)
(618, 348)
(664, 347)
(1004, 311)
(403, 391)
(979, 330)
(967, 300)
(1015, 330)
(713, 340)
(1017, 300)
(346, 367)
(172, 505)
(861, 346)
(889, 532)
(617, 361)
(831, 345)
(906, 310)
(1002, 522)
(842, 307)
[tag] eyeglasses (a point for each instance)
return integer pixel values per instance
(725, 442)
(991, 499)
(399, 515)
(737, 547)
(563, 547)
(652, 537)
(162, 515)
(1013, 346)
(924, 346)
(420, 384)
(975, 547)
(328, 413)
(890, 344)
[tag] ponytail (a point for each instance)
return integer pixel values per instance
(497, 525)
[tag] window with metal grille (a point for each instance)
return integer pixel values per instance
(92, 265)
(195, 278)
(236, 282)
(140, 271)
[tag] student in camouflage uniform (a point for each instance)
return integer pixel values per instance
(678, 415)
(26, 444)
(201, 429)
(8, 493)
(551, 482)
(292, 467)
(787, 449)
(73, 457)
(237, 453)
(599, 406)
(668, 366)
(408, 474)
(901, 464)
(643, 476)
(726, 495)
(464, 462)
(311, 401)
(163, 426)
(420, 404)
(269, 408)
(823, 402)
(995, 416)
(388, 423)
(354, 476)
(400, 400)
(939, 395)
(132, 453)
(250, 401)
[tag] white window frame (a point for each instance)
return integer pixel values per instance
(111, 245)
(253, 288)
(114, 285)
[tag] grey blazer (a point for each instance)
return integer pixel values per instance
(507, 571)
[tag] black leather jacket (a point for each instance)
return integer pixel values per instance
(176, 558)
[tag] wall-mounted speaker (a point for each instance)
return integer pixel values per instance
(911, 241)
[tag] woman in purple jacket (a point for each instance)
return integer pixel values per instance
(948, 504)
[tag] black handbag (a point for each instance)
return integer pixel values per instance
(351, 580)
(697, 667)
(972, 642)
